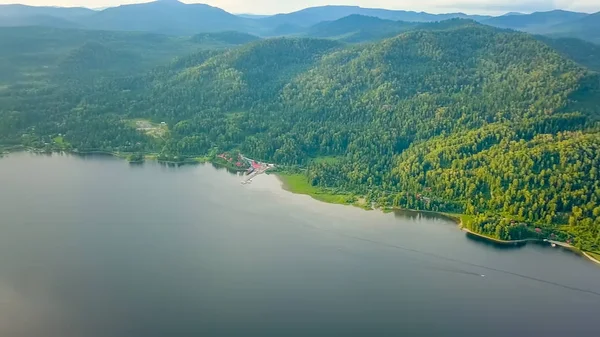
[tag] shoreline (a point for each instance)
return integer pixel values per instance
(525, 241)
(340, 199)
(591, 258)
(120, 155)
(453, 217)
(499, 241)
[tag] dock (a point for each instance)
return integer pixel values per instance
(256, 168)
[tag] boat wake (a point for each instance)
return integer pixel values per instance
(457, 261)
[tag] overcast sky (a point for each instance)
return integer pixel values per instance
(279, 6)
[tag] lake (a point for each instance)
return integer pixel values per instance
(97, 247)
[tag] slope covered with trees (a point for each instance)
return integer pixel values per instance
(584, 53)
(462, 119)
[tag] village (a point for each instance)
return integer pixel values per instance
(250, 167)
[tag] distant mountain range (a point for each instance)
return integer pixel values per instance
(359, 28)
(176, 18)
(538, 22)
(585, 28)
(311, 16)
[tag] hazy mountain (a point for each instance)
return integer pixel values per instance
(22, 15)
(37, 20)
(538, 22)
(311, 16)
(359, 28)
(253, 16)
(176, 18)
(169, 17)
(287, 29)
(587, 28)
(34, 53)
(59, 12)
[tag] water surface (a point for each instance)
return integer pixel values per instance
(97, 247)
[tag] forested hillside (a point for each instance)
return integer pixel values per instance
(359, 28)
(32, 54)
(584, 53)
(462, 118)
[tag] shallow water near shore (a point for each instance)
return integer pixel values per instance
(93, 246)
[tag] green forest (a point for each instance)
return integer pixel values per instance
(461, 118)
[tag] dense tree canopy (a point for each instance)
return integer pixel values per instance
(462, 119)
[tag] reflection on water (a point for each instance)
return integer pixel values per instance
(224, 168)
(495, 245)
(416, 215)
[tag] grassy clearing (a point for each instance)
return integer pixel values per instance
(462, 219)
(465, 220)
(155, 130)
(297, 183)
(60, 141)
(202, 160)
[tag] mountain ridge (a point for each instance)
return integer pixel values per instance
(176, 18)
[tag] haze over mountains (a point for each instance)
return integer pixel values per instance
(175, 18)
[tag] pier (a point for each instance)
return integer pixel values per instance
(255, 168)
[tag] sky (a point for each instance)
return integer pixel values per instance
(284, 6)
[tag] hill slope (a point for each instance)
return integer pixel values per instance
(57, 12)
(470, 119)
(22, 15)
(167, 17)
(359, 28)
(34, 53)
(584, 53)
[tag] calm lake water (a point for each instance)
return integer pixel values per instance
(96, 247)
